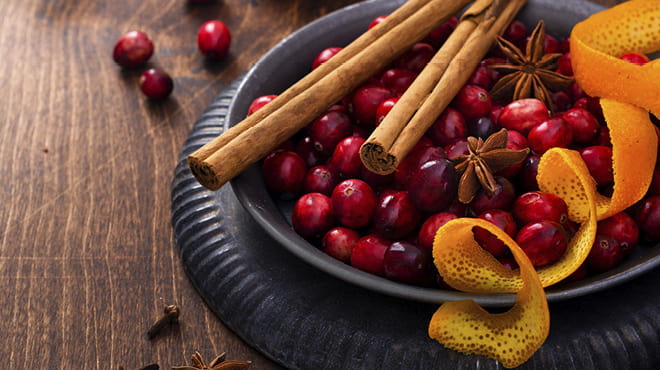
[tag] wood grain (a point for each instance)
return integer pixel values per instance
(86, 246)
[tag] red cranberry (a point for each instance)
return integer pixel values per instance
(339, 242)
(508, 261)
(260, 102)
(449, 127)
(654, 188)
(284, 173)
(635, 58)
(515, 141)
(397, 79)
(329, 129)
(603, 137)
(501, 198)
(353, 202)
(502, 219)
(515, 32)
(156, 84)
(481, 127)
(345, 160)
(416, 58)
(576, 92)
(564, 64)
(599, 162)
(553, 132)
(305, 149)
(324, 55)
(413, 161)
(523, 114)
(365, 102)
(133, 49)
(459, 147)
(433, 186)
(605, 254)
(550, 44)
(647, 216)
(439, 35)
(312, 215)
(368, 254)
(560, 101)
(430, 227)
(527, 175)
(361, 131)
(384, 108)
(395, 216)
(319, 179)
(577, 275)
(376, 21)
(494, 75)
(565, 45)
(458, 208)
(407, 263)
(494, 114)
(585, 126)
(375, 180)
(481, 77)
(473, 101)
(538, 206)
(622, 228)
(544, 242)
(213, 39)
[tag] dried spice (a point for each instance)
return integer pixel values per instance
(171, 316)
(530, 74)
(485, 158)
(218, 363)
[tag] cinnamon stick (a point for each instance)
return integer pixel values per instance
(214, 164)
(436, 86)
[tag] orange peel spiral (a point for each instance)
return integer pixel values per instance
(627, 93)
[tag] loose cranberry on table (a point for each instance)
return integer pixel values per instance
(312, 215)
(502, 219)
(416, 58)
(621, 227)
(647, 215)
(339, 243)
(544, 242)
(320, 179)
(433, 186)
(551, 133)
(407, 263)
(214, 39)
(473, 101)
(365, 102)
(133, 49)
(522, 115)
(260, 102)
(635, 58)
(384, 108)
(584, 125)
(430, 227)
(598, 159)
(156, 84)
(324, 55)
(368, 254)
(397, 80)
(501, 198)
(449, 127)
(284, 173)
(345, 159)
(328, 130)
(605, 254)
(353, 203)
(538, 206)
(395, 216)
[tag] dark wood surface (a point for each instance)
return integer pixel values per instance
(87, 255)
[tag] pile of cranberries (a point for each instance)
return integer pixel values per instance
(385, 225)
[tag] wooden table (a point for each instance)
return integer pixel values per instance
(86, 247)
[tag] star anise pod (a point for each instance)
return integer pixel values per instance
(218, 363)
(485, 158)
(530, 74)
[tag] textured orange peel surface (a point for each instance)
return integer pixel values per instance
(627, 93)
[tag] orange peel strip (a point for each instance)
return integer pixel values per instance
(511, 337)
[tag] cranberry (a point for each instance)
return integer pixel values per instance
(345, 160)
(384, 108)
(544, 242)
(603, 137)
(416, 58)
(156, 84)
(508, 262)
(550, 44)
(622, 228)
(458, 208)
(523, 114)
(133, 49)
(564, 64)
(585, 126)
(502, 219)
(635, 58)
(553, 132)
(430, 227)
(515, 32)
(305, 149)
(312, 215)
(213, 39)
(368, 254)
(494, 114)
(395, 216)
(319, 179)
(501, 198)
(284, 173)
(494, 75)
(376, 21)
(515, 141)
(413, 161)
(473, 101)
(599, 162)
(353, 202)
(449, 127)
(434, 186)
(605, 254)
(565, 45)
(397, 79)
(560, 101)
(375, 180)
(577, 275)
(365, 101)
(481, 127)
(339, 242)
(439, 35)
(576, 92)
(459, 147)
(538, 206)
(654, 188)
(481, 77)
(361, 131)
(407, 263)
(260, 102)
(324, 55)
(647, 216)
(527, 175)
(329, 129)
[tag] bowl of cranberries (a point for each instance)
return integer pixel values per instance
(315, 197)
